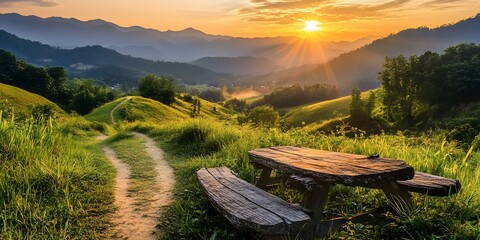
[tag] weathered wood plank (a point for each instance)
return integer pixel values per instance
(264, 177)
(300, 183)
(430, 185)
(400, 200)
(316, 200)
(248, 207)
(332, 167)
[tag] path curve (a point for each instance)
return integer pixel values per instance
(112, 118)
(131, 221)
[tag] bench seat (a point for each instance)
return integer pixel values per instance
(424, 183)
(431, 185)
(249, 208)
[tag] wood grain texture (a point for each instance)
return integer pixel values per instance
(332, 167)
(248, 207)
(430, 185)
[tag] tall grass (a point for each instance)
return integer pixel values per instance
(51, 186)
(193, 144)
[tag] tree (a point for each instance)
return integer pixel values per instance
(212, 95)
(361, 111)
(59, 77)
(264, 116)
(158, 88)
(402, 85)
(8, 67)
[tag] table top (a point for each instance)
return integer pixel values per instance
(332, 167)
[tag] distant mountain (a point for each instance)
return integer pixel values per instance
(104, 64)
(360, 67)
(238, 65)
(186, 45)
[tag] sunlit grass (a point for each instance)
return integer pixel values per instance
(51, 185)
(218, 144)
(321, 111)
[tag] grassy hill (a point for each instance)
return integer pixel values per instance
(320, 111)
(21, 100)
(144, 109)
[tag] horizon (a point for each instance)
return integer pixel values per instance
(336, 20)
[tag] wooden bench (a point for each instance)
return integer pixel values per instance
(424, 183)
(431, 185)
(249, 208)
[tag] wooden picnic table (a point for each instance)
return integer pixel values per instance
(330, 168)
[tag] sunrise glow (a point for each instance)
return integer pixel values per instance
(311, 26)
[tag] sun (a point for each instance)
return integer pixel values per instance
(311, 26)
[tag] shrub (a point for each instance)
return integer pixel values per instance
(264, 116)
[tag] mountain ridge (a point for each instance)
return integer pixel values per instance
(184, 45)
(359, 68)
(94, 61)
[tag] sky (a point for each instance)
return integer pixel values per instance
(338, 20)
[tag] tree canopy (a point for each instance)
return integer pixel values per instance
(430, 83)
(160, 88)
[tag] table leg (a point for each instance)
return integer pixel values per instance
(264, 177)
(400, 200)
(316, 200)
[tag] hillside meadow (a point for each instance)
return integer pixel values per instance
(193, 144)
(63, 155)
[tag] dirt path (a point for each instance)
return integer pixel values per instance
(132, 221)
(112, 118)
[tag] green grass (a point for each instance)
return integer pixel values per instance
(102, 113)
(21, 101)
(131, 151)
(55, 182)
(320, 111)
(52, 186)
(144, 109)
(193, 144)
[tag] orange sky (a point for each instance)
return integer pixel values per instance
(339, 19)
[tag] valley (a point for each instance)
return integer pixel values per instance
(103, 127)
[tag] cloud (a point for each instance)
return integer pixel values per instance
(440, 3)
(40, 3)
(288, 11)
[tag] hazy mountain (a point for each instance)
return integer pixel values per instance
(186, 45)
(360, 68)
(238, 65)
(104, 64)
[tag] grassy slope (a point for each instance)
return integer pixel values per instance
(320, 111)
(53, 185)
(193, 144)
(144, 109)
(102, 113)
(21, 100)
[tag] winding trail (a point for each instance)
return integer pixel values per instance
(112, 118)
(132, 221)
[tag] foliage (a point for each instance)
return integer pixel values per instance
(80, 96)
(361, 111)
(157, 88)
(212, 95)
(263, 116)
(236, 104)
(420, 87)
(296, 95)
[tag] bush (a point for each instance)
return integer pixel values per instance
(264, 116)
